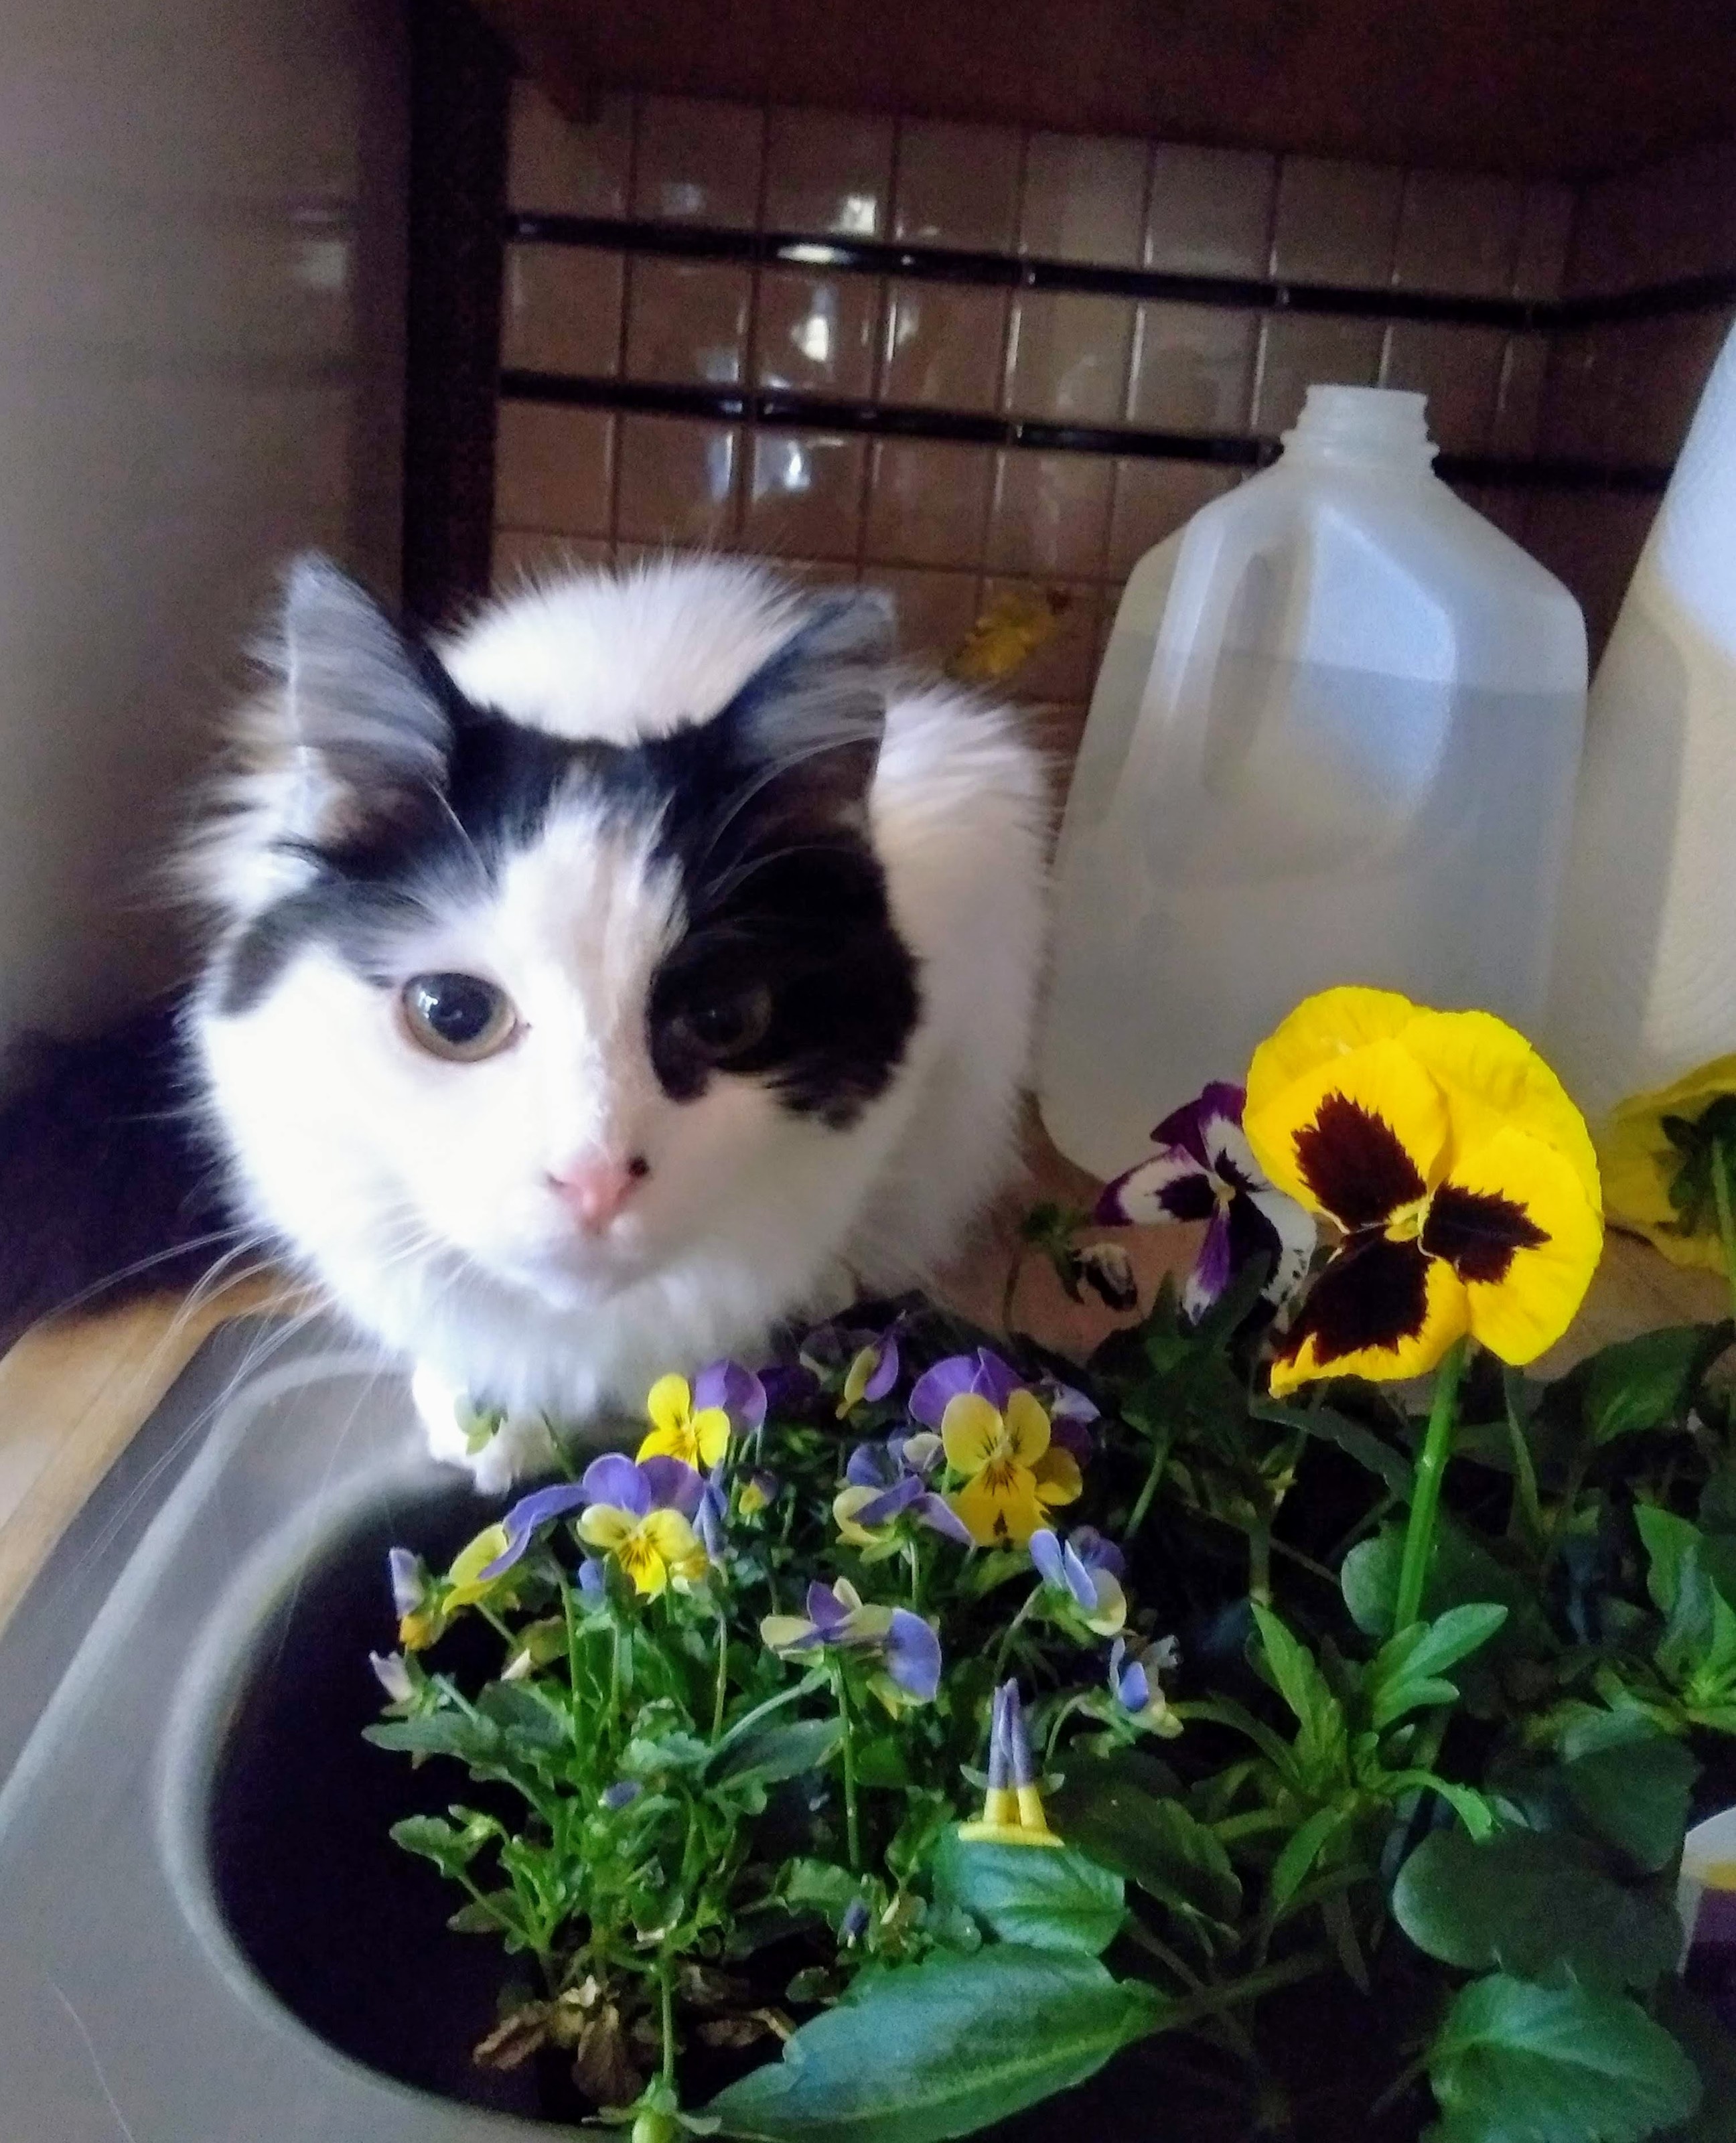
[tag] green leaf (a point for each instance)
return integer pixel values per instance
(942, 2048)
(1650, 1381)
(524, 1716)
(1514, 2063)
(1531, 1902)
(1671, 1546)
(1406, 1672)
(1461, 1572)
(1353, 1438)
(439, 1733)
(434, 1838)
(1108, 1809)
(1322, 1745)
(779, 1752)
(1713, 2051)
(1295, 1863)
(1051, 1899)
(1631, 1784)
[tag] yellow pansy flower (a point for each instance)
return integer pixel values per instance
(1012, 1472)
(1643, 1163)
(699, 1437)
(1460, 1175)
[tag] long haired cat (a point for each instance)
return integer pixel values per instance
(592, 991)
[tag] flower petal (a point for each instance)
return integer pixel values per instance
(886, 1370)
(1516, 1222)
(1044, 1546)
(788, 1633)
(1108, 1610)
(1027, 1427)
(1212, 1268)
(1057, 1477)
(1171, 1185)
(996, 1380)
(937, 1514)
(921, 1452)
(530, 1512)
(738, 1391)
(935, 1389)
(676, 1442)
(1322, 1029)
(1000, 1504)
(606, 1526)
(1492, 1076)
(671, 1536)
(614, 1478)
(466, 1576)
(710, 1430)
(912, 1655)
(672, 1484)
(645, 1565)
(1096, 1552)
(669, 1403)
(826, 1611)
(1380, 1309)
(1079, 1580)
(1361, 1138)
(971, 1430)
(1186, 1126)
(1293, 1232)
(887, 1503)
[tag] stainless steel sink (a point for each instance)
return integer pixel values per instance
(128, 2006)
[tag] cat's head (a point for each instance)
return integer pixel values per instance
(564, 1006)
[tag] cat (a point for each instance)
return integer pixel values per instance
(594, 989)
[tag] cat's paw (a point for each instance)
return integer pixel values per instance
(521, 1444)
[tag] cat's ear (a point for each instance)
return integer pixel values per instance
(362, 717)
(807, 726)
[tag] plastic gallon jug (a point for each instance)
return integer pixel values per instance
(1334, 740)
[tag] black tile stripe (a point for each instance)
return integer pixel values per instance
(935, 263)
(736, 405)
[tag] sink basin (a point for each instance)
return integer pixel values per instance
(187, 1936)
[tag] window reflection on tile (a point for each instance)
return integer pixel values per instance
(1458, 231)
(1193, 369)
(1519, 402)
(1301, 350)
(553, 468)
(1050, 513)
(934, 611)
(944, 346)
(1458, 368)
(828, 172)
(561, 310)
(1152, 500)
(958, 185)
(815, 334)
(1085, 198)
(1336, 222)
(1063, 667)
(522, 555)
(566, 167)
(697, 161)
(928, 501)
(804, 494)
(1210, 212)
(677, 482)
(1068, 355)
(687, 320)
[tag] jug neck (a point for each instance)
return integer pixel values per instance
(1367, 427)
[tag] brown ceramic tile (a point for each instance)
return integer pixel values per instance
(958, 185)
(678, 482)
(1210, 211)
(1592, 541)
(1085, 198)
(1581, 393)
(1545, 228)
(1519, 403)
(554, 468)
(687, 320)
(1062, 668)
(561, 310)
(1301, 350)
(828, 172)
(1049, 516)
(1057, 728)
(1506, 505)
(1336, 222)
(1193, 369)
(927, 502)
(1458, 368)
(934, 611)
(1152, 500)
(815, 334)
(1067, 357)
(805, 495)
(818, 572)
(566, 167)
(697, 161)
(1663, 368)
(944, 346)
(522, 555)
(1458, 232)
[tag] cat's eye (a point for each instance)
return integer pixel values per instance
(461, 1017)
(723, 1027)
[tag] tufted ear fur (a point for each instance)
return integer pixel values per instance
(364, 719)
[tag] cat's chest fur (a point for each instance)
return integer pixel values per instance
(589, 994)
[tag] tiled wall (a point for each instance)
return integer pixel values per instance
(946, 523)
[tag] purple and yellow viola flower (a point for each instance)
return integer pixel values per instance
(880, 1491)
(872, 1373)
(1204, 1170)
(426, 1606)
(1458, 1175)
(695, 1423)
(640, 1516)
(1133, 1672)
(1084, 1572)
(838, 1618)
(1012, 1806)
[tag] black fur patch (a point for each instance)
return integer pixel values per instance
(760, 808)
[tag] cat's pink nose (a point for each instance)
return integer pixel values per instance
(595, 1189)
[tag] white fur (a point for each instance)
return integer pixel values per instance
(416, 1190)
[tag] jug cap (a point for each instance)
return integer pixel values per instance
(1384, 423)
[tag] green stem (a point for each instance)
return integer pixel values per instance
(1231, 1994)
(1726, 1226)
(1007, 1634)
(721, 1695)
(1527, 1504)
(614, 1673)
(1159, 1459)
(666, 2005)
(1419, 1538)
(853, 1824)
(1136, 1931)
(803, 1688)
(572, 1655)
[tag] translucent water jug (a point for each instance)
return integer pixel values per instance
(1334, 740)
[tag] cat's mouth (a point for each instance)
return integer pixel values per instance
(578, 1274)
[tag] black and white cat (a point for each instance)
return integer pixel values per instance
(592, 990)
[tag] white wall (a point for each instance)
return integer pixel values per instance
(200, 355)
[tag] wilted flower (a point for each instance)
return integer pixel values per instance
(1459, 1174)
(838, 1617)
(1012, 1807)
(1087, 1569)
(1107, 1270)
(392, 1676)
(639, 1515)
(1204, 1170)
(1133, 1682)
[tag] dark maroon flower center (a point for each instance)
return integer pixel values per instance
(1478, 1231)
(1356, 1164)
